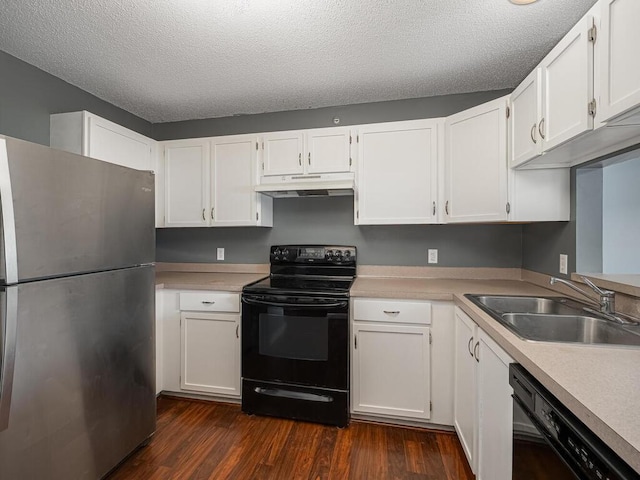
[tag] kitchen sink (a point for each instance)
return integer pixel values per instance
(555, 319)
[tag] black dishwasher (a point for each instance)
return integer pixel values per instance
(549, 442)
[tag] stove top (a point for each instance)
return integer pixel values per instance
(308, 270)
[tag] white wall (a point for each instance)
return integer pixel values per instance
(621, 217)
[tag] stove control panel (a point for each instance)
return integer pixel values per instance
(313, 254)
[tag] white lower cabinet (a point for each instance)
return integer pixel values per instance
(392, 359)
(210, 360)
(200, 342)
(483, 408)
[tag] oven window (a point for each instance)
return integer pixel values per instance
(294, 337)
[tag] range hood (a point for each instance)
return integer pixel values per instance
(287, 186)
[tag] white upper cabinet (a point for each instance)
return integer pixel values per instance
(282, 153)
(87, 134)
(554, 103)
(397, 175)
(476, 164)
(567, 87)
(525, 142)
(234, 162)
(302, 152)
(186, 183)
(619, 62)
(327, 150)
(211, 182)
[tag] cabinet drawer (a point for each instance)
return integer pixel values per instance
(210, 301)
(392, 311)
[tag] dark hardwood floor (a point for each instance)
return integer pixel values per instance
(206, 440)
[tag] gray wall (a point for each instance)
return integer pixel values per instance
(329, 220)
(391, 111)
(29, 95)
(589, 220)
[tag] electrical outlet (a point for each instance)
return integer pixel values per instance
(433, 255)
(220, 253)
(564, 262)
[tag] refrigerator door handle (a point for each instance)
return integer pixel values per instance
(8, 227)
(8, 323)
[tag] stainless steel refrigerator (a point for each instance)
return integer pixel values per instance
(77, 355)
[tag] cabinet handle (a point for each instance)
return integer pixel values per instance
(391, 312)
(203, 217)
(212, 209)
(237, 328)
(541, 128)
(446, 207)
(309, 158)
(355, 342)
(434, 208)
(469, 346)
(475, 351)
(533, 133)
(208, 302)
(300, 159)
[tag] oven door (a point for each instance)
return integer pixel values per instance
(534, 457)
(295, 340)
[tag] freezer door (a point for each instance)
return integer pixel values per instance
(82, 392)
(66, 214)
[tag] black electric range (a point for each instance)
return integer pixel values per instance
(295, 328)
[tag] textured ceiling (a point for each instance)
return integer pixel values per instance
(168, 60)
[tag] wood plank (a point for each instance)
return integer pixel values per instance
(199, 440)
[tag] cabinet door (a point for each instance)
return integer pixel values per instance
(495, 406)
(619, 61)
(115, 144)
(210, 360)
(476, 164)
(464, 391)
(567, 79)
(186, 184)
(397, 173)
(526, 109)
(282, 153)
(233, 179)
(391, 370)
(327, 150)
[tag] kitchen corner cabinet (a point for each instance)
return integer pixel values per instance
(483, 410)
(303, 152)
(390, 354)
(397, 174)
(211, 181)
(618, 64)
(479, 185)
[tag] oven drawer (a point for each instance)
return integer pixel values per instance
(210, 301)
(392, 311)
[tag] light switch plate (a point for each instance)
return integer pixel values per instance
(433, 255)
(220, 253)
(564, 262)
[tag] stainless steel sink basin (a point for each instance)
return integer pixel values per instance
(568, 328)
(555, 319)
(510, 304)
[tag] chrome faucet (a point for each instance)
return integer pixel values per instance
(606, 300)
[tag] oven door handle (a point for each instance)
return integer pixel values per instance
(321, 306)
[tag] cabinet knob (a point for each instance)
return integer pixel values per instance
(475, 351)
(541, 128)
(300, 159)
(446, 207)
(203, 216)
(212, 210)
(469, 346)
(309, 158)
(533, 133)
